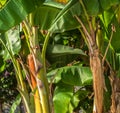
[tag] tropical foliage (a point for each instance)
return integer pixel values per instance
(65, 55)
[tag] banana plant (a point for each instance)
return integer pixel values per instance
(34, 68)
(98, 35)
(38, 99)
(90, 18)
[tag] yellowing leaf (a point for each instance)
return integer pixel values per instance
(62, 1)
(2, 3)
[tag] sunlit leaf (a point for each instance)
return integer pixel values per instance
(77, 76)
(107, 17)
(15, 11)
(62, 97)
(2, 3)
(12, 41)
(2, 64)
(72, 75)
(15, 104)
(56, 3)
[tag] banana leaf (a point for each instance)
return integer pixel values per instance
(14, 11)
(12, 41)
(60, 50)
(65, 19)
(72, 75)
(44, 16)
(62, 96)
(2, 3)
(57, 4)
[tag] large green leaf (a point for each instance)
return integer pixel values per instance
(62, 97)
(15, 11)
(92, 6)
(62, 55)
(44, 16)
(72, 75)
(12, 41)
(77, 76)
(59, 50)
(65, 19)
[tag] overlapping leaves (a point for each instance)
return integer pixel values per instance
(15, 11)
(12, 41)
(65, 20)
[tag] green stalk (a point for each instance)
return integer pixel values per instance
(22, 89)
(44, 64)
(44, 60)
(44, 95)
(44, 48)
(84, 9)
(41, 76)
(39, 62)
(19, 78)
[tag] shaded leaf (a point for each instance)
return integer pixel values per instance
(118, 63)
(106, 4)
(92, 6)
(60, 50)
(79, 96)
(107, 94)
(116, 35)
